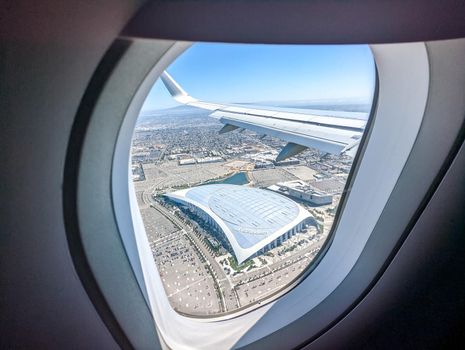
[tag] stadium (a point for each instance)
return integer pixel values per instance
(253, 220)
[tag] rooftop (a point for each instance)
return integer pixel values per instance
(251, 218)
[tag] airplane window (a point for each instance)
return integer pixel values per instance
(240, 160)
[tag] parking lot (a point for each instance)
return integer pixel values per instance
(187, 282)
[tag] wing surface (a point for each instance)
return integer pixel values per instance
(329, 133)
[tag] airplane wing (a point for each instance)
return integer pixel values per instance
(328, 133)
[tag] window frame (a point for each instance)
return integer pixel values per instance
(116, 141)
(253, 314)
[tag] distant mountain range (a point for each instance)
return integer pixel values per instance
(346, 105)
(179, 111)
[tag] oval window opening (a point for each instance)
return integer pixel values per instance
(240, 157)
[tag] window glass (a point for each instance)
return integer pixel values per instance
(239, 159)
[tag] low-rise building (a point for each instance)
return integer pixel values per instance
(187, 161)
(205, 160)
(315, 192)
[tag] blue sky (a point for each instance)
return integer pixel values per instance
(246, 73)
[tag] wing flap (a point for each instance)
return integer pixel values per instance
(326, 139)
(291, 149)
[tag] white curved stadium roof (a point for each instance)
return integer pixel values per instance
(250, 218)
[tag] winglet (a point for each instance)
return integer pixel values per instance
(175, 89)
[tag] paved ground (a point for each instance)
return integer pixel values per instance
(172, 175)
(186, 278)
(268, 177)
(302, 172)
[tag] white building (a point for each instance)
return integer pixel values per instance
(253, 220)
(309, 192)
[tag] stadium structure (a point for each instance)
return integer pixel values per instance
(253, 220)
